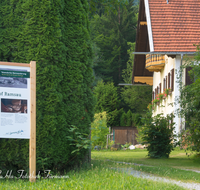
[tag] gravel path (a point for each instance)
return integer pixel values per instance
(140, 174)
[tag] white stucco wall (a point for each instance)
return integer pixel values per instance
(168, 105)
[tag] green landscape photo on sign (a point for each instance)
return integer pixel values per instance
(17, 74)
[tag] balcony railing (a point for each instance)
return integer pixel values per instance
(155, 63)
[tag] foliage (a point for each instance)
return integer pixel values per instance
(99, 129)
(107, 100)
(96, 59)
(78, 139)
(113, 149)
(190, 103)
(111, 32)
(123, 119)
(105, 6)
(167, 91)
(126, 145)
(158, 134)
(139, 123)
(136, 97)
(150, 107)
(161, 95)
(110, 144)
(128, 71)
(55, 34)
(129, 118)
(158, 99)
(136, 119)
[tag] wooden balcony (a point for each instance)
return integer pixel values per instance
(155, 63)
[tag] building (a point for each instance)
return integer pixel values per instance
(166, 34)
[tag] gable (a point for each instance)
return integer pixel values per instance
(176, 25)
(171, 28)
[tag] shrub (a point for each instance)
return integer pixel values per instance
(99, 130)
(158, 134)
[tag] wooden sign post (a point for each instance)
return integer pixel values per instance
(32, 141)
(18, 106)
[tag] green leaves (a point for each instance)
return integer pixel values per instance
(80, 140)
(110, 33)
(190, 103)
(157, 133)
(105, 6)
(136, 97)
(99, 129)
(107, 100)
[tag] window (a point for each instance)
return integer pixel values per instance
(172, 80)
(153, 95)
(160, 87)
(164, 84)
(169, 77)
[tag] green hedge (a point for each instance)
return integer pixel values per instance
(55, 35)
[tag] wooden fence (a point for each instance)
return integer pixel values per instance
(124, 135)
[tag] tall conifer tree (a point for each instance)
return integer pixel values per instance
(111, 32)
(54, 34)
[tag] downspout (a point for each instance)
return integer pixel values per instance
(180, 105)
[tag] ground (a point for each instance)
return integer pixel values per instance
(108, 170)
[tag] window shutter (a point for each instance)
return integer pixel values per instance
(153, 95)
(188, 80)
(157, 90)
(168, 80)
(172, 81)
(160, 87)
(163, 84)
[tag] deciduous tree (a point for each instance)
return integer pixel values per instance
(190, 103)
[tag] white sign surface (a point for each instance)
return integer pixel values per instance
(15, 102)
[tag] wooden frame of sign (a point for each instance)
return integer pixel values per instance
(32, 142)
(32, 139)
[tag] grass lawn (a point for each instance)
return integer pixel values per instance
(102, 174)
(98, 176)
(170, 168)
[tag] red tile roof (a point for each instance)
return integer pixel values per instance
(176, 25)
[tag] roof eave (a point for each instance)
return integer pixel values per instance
(149, 28)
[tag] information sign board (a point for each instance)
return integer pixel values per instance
(15, 102)
(18, 106)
